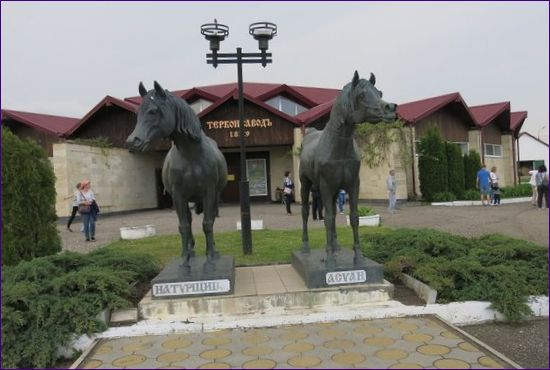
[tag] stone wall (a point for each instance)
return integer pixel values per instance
(504, 164)
(120, 180)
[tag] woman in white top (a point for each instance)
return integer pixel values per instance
(494, 183)
(75, 207)
(533, 183)
(86, 197)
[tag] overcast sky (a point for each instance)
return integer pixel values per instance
(63, 58)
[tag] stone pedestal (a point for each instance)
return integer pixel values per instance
(312, 268)
(200, 279)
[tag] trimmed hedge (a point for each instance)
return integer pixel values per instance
(472, 164)
(432, 164)
(495, 268)
(28, 201)
(455, 169)
(48, 301)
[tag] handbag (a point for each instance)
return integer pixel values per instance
(83, 208)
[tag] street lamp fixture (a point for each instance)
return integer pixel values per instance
(263, 32)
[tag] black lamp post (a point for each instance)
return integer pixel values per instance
(263, 32)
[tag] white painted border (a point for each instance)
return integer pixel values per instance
(478, 202)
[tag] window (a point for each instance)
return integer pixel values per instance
(493, 150)
(200, 105)
(286, 105)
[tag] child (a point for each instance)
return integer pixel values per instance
(496, 195)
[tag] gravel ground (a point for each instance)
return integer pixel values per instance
(527, 343)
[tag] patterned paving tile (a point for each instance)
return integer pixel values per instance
(415, 342)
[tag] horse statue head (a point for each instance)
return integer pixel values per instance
(360, 101)
(162, 115)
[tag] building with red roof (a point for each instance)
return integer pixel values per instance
(276, 116)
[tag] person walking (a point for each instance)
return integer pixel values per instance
(75, 207)
(288, 189)
(493, 178)
(316, 203)
(542, 186)
(483, 184)
(341, 200)
(391, 186)
(533, 183)
(85, 199)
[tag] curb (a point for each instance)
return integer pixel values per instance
(462, 203)
(456, 313)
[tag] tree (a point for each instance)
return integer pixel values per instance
(455, 169)
(432, 164)
(472, 164)
(28, 201)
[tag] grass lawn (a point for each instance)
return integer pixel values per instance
(269, 246)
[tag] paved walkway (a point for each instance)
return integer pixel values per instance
(520, 220)
(406, 343)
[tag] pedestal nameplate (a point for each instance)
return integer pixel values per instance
(200, 287)
(345, 277)
(312, 268)
(175, 281)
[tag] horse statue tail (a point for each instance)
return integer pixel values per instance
(198, 208)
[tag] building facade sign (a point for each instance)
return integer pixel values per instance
(261, 127)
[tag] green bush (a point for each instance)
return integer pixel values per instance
(365, 211)
(455, 169)
(432, 164)
(48, 301)
(472, 164)
(472, 194)
(522, 190)
(495, 268)
(28, 201)
(445, 196)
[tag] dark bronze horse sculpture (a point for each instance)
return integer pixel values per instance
(330, 159)
(194, 169)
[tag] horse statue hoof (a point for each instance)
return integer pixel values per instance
(305, 248)
(209, 267)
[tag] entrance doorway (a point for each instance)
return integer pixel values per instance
(258, 177)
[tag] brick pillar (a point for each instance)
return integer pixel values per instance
(506, 174)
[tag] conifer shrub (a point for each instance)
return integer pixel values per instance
(455, 169)
(49, 301)
(28, 201)
(495, 268)
(432, 165)
(472, 164)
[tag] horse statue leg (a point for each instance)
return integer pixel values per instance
(330, 223)
(210, 210)
(304, 192)
(191, 240)
(354, 221)
(184, 217)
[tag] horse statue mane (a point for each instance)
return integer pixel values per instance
(194, 169)
(330, 159)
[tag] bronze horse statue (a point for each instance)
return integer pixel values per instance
(330, 158)
(194, 169)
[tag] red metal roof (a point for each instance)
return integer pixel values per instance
(57, 125)
(485, 114)
(235, 95)
(413, 112)
(310, 96)
(105, 102)
(516, 120)
(314, 113)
